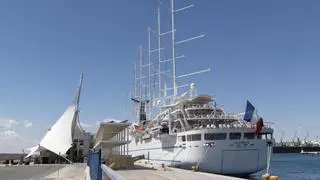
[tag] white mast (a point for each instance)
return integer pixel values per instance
(174, 43)
(159, 54)
(135, 80)
(149, 60)
(77, 100)
(173, 50)
(140, 72)
(77, 117)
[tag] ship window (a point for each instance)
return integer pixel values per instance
(266, 136)
(248, 136)
(194, 137)
(234, 136)
(215, 136)
(182, 138)
(189, 137)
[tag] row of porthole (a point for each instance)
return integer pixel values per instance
(221, 136)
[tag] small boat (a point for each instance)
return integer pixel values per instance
(315, 152)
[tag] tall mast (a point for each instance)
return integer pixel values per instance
(135, 80)
(159, 54)
(141, 54)
(77, 101)
(76, 115)
(174, 43)
(173, 49)
(149, 59)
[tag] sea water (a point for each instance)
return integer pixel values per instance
(293, 166)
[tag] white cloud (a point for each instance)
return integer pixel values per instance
(8, 134)
(11, 121)
(27, 123)
(7, 124)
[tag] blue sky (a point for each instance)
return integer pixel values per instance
(264, 51)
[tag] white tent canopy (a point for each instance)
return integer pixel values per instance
(58, 138)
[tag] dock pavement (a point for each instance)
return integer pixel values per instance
(143, 171)
(43, 171)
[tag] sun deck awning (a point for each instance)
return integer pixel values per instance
(110, 129)
(109, 143)
(201, 99)
(107, 133)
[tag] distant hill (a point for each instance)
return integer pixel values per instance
(12, 142)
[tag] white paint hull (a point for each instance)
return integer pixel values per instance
(225, 157)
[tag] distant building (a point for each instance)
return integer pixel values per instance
(81, 146)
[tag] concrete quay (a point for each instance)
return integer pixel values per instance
(44, 172)
(142, 171)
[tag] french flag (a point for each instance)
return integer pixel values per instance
(249, 112)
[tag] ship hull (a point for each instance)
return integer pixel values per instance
(233, 157)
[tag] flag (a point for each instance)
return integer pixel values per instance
(249, 112)
(259, 125)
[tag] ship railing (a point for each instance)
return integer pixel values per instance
(231, 125)
(213, 116)
(198, 106)
(268, 124)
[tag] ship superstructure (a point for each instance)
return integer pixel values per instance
(186, 129)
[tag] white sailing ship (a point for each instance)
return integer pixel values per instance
(188, 129)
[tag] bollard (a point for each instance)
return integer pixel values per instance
(274, 178)
(266, 177)
(163, 166)
(194, 168)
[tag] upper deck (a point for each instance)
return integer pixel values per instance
(202, 112)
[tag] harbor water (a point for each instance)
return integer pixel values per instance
(294, 166)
